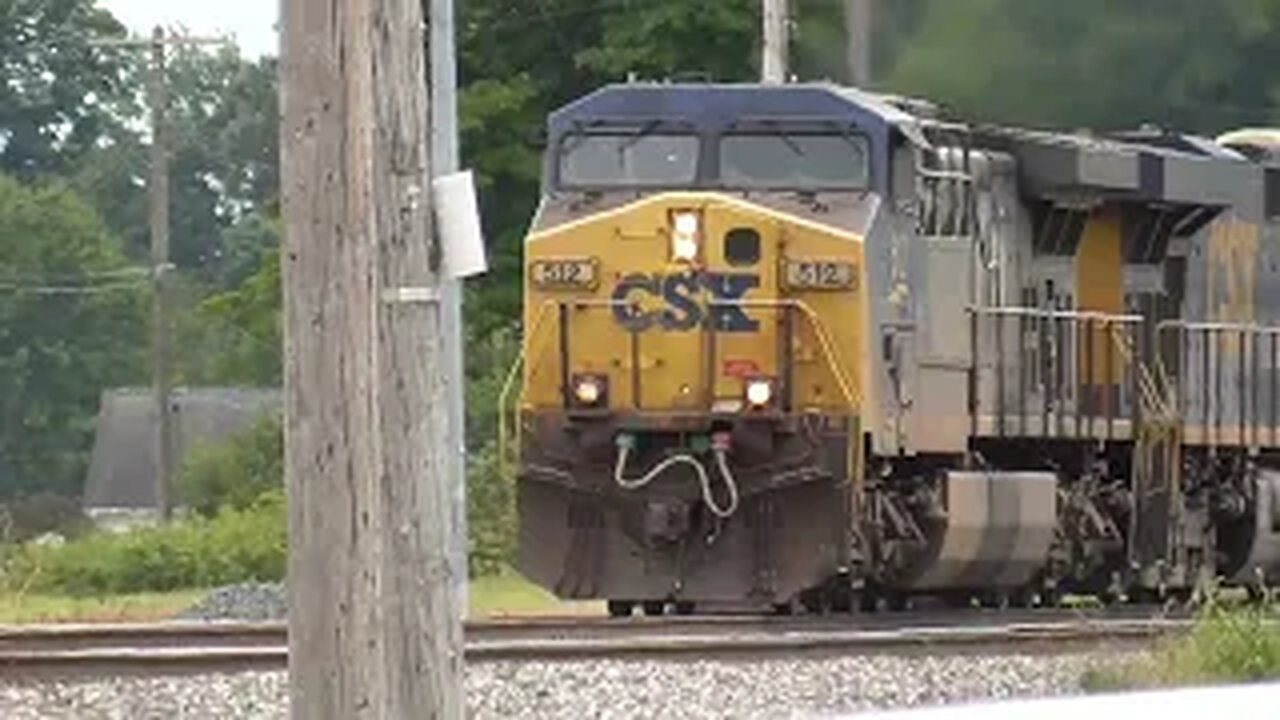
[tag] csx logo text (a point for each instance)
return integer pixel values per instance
(685, 310)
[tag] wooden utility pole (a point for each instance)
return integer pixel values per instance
(163, 449)
(859, 16)
(373, 631)
(777, 35)
(162, 342)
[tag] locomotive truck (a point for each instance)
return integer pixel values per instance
(805, 346)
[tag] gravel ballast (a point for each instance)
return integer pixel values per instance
(603, 689)
(250, 602)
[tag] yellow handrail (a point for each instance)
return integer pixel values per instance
(830, 353)
(509, 384)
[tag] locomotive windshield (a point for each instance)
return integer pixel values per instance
(629, 160)
(782, 160)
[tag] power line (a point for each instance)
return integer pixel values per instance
(68, 290)
(74, 278)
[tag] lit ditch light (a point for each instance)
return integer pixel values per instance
(759, 393)
(686, 233)
(588, 390)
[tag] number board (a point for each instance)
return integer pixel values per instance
(568, 274)
(820, 275)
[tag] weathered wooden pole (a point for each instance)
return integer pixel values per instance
(777, 36)
(162, 443)
(859, 18)
(162, 331)
(373, 631)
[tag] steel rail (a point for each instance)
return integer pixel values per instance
(187, 648)
(239, 634)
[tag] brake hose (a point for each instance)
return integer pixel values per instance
(704, 480)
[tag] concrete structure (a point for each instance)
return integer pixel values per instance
(121, 485)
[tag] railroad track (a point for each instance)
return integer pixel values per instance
(207, 647)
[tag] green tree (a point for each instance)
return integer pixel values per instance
(235, 473)
(1181, 63)
(237, 334)
(55, 83)
(224, 172)
(71, 324)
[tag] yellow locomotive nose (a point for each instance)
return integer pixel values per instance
(688, 303)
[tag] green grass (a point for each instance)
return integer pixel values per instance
(510, 595)
(507, 595)
(22, 609)
(1228, 645)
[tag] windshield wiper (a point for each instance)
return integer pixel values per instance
(847, 135)
(645, 131)
(584, 130)
(579, 136)
(785, 137)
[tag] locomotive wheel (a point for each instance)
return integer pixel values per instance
(897, 601)
(1255, 594)
(841, 598)
(655, 608)
(1050, 598)
(958, 600)
(685, 607)
(620, 608)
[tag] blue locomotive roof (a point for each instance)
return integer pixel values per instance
(714, 108)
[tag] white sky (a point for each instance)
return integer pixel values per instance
(250, 22)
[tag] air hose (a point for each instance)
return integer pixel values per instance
(626, 443)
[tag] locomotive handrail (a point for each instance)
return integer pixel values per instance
(853, 398)
(1063, 395)
(830, 354)
(1218, 327)
(509, 384)
(824, 339)
(1208, 367)
(1048, 313)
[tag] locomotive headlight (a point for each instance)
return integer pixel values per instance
(588, 389)
(759, 393)
(687, 224)
(686, 228)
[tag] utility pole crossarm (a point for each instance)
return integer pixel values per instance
(166, 39)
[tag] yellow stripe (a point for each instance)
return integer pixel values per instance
(691, 198)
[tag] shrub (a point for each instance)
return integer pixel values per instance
(234, 546)
(491, 516)
(26, 518)
(236, 472)
(1228, 645)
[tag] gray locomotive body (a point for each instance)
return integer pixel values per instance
(1065, 350)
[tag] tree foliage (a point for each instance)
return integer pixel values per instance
(1176, 63)
(235, 473)
(224, 166)
(54, 83)
(71, 324)
(235, 336)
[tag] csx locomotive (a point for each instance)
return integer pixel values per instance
(803, 346)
